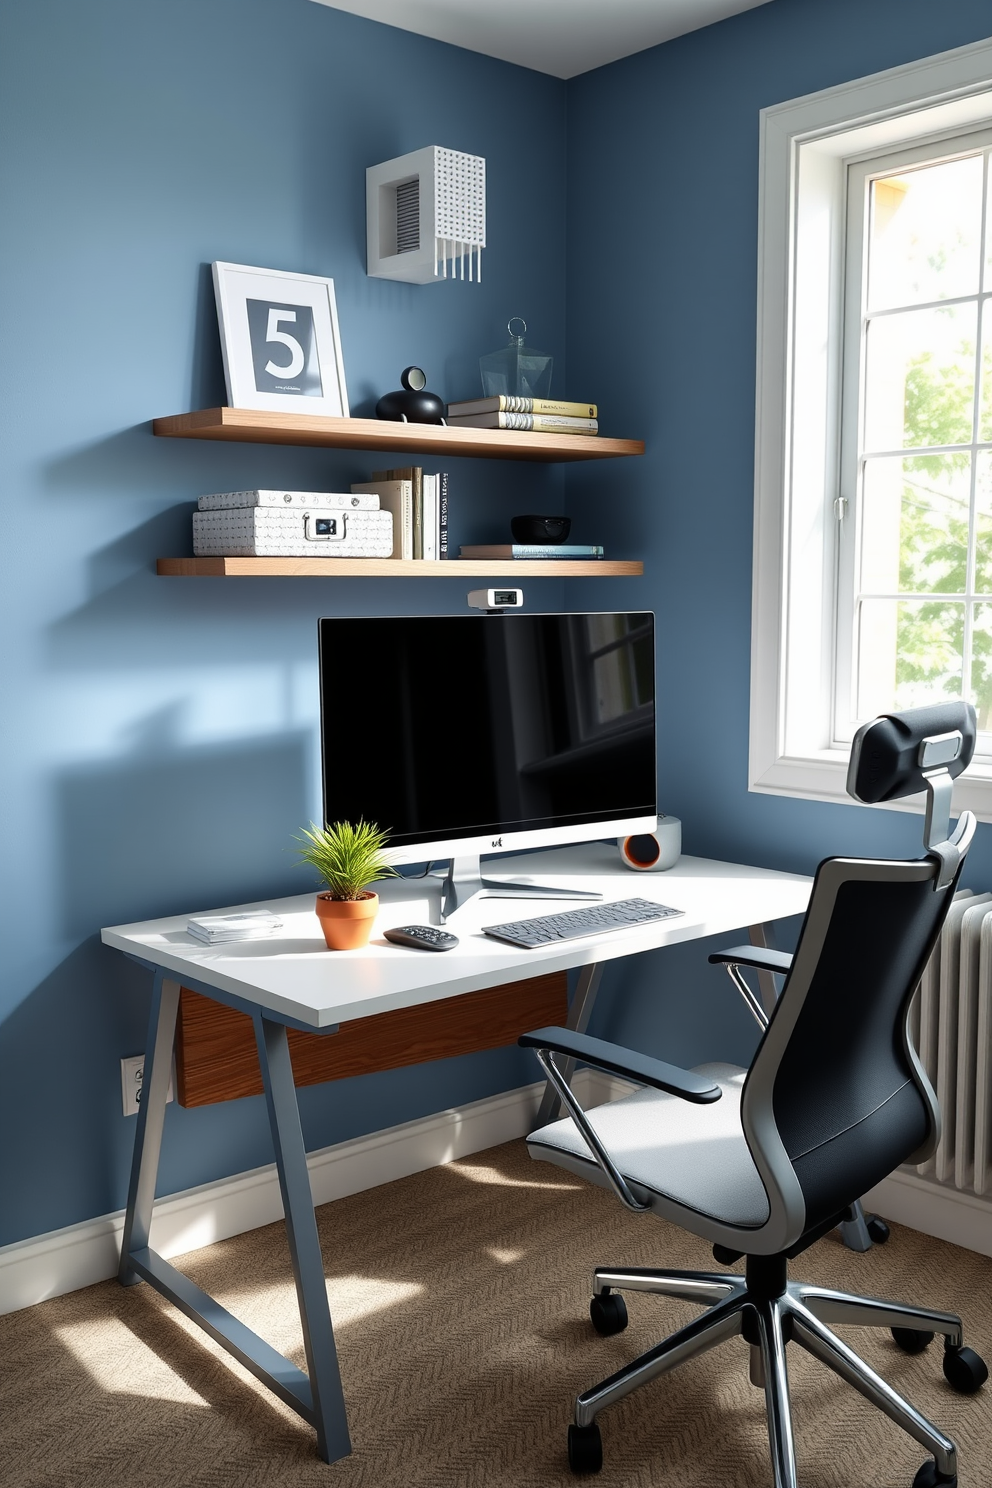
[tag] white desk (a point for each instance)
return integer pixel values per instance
(292, 980)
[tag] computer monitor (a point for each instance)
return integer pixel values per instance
(463, 735)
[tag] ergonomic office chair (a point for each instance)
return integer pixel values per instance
(763, 1162)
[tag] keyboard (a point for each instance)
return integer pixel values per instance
(624, 914)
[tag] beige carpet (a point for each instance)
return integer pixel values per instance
(460, 1301)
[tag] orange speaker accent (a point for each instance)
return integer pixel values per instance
(642, 852)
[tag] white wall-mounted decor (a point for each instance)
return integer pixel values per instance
(426, 212)
(280, 339)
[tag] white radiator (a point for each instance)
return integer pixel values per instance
(951, 1023)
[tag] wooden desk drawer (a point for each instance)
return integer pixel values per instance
(216, 1059)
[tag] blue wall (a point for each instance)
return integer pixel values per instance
(662, 196)
(159, 736)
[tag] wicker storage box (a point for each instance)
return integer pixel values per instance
(280, 532)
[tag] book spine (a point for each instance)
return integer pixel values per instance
(430, 518)
(540, 423)
(407, 518)
(531, 550)
(442, 515)
(418, 512)
(510, 403)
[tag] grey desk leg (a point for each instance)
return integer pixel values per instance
(151, 1119)
(329, 1418)
(317, 1397)
(578, 1021)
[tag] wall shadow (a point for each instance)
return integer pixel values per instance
(172, 828)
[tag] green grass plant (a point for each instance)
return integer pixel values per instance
(348, 857)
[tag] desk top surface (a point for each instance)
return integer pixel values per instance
(294, 977)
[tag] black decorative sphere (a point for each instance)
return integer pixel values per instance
(540, 529)
(412, 404)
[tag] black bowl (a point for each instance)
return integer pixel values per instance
(540, 529)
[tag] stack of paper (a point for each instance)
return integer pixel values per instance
(253, 924)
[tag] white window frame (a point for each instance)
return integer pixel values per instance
(806, 145)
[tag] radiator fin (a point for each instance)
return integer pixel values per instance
(951, 1025)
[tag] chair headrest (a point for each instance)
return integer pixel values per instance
(892, 756)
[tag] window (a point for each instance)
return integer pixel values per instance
(873, 486)
(914, 590)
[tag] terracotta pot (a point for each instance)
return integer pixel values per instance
(347, 923)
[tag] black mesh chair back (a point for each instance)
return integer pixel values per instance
(836, 1087)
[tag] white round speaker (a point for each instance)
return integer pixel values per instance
(653, 852)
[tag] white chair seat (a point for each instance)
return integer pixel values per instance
(670, 1151)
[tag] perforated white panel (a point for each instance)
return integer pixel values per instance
(459, 197)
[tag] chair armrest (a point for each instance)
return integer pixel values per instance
(617, 1060)
(756, 956)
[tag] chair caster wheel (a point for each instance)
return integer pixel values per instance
(912, 1340)
(609, 1314)
(585, 1449)
(964, 1370)
(877, 1229)
(929, 1477)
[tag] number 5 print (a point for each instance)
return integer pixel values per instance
(273, 333)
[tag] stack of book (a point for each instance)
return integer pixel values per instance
(249, 924)
(531, 550)
(419, 506)
(541, 415)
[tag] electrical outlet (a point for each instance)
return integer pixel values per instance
(132, 1079)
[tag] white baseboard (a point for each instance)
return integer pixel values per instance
(933, 1209)
(64, 1260)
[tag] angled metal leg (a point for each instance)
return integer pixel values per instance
(723, 1321)
(828, 1348)
(317, 1398)
(151, 1119)
(691, 1286)
(775, 1378)
(579, 1014)
(871, 1312)
(329, 1419)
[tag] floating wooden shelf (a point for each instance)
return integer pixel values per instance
(397, 568)
(250, 426)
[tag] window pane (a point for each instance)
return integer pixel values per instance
(910, 652)
(981, 664)
(985, 412)
(914, 527)
(920, 378)
(925, 234)
(983, 522)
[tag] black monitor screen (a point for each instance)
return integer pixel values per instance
(444, 727)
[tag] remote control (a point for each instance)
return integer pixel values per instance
(422, 938)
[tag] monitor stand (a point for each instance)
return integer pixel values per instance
(465, 882)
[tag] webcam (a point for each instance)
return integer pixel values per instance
(496, 599)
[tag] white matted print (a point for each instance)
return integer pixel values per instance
(280, 339)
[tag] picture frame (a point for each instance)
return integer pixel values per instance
(280, 341)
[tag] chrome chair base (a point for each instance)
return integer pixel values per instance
(769, 1311)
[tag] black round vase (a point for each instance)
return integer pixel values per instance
(540, 529)
(412, 403)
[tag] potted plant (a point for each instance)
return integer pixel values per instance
(348, 858)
